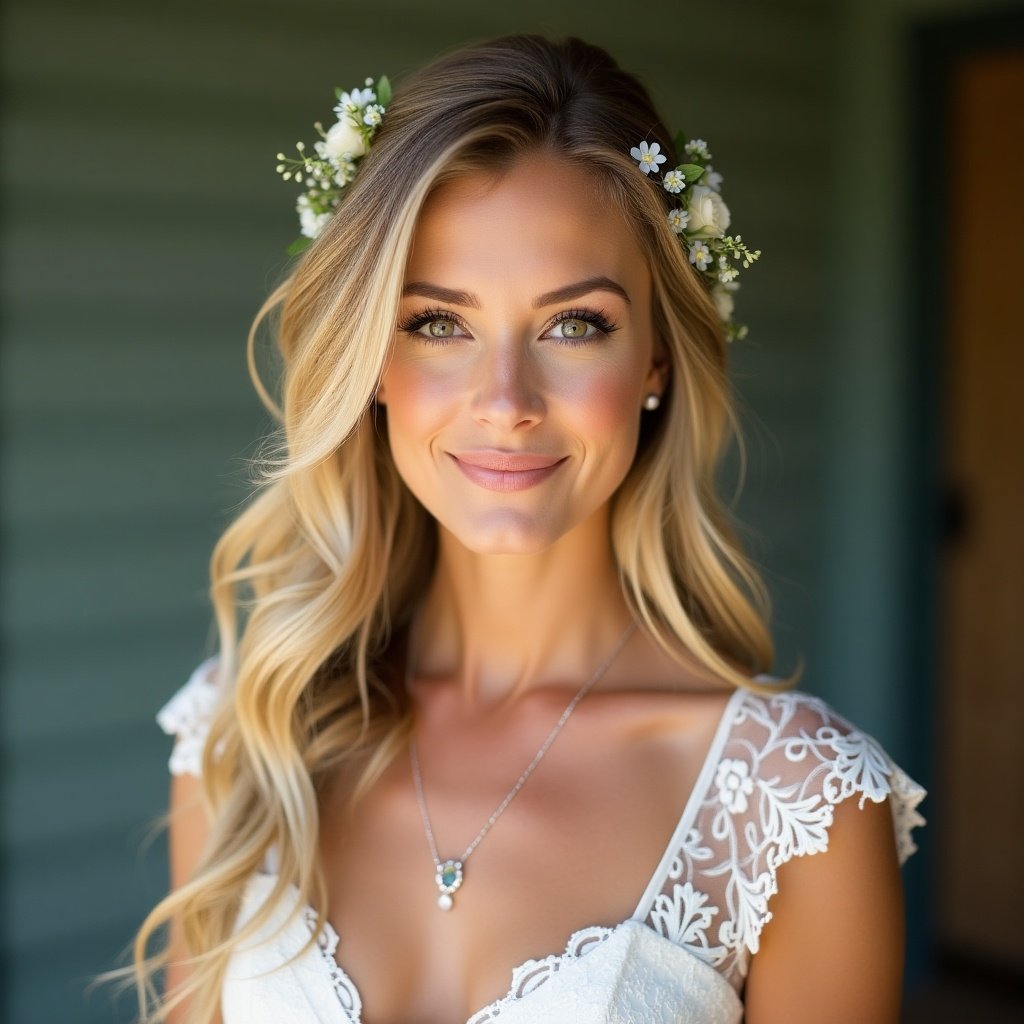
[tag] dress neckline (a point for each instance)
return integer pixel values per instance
(696, 797)
(349, 995)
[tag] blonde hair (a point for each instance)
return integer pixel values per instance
(311, 580)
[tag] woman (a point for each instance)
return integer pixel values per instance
(490, 542)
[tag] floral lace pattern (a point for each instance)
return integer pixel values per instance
(766, 794)
(531, 975)
(788, 760)
(327, 943)
(186, 716)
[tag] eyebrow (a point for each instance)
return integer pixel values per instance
(570, 291)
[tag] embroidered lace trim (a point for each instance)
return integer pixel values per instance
(186, 716)
(327, 944)
(787, 761)
(532, 974)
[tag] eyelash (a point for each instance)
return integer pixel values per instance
(597, 318)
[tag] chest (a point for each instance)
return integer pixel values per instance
(577, 847)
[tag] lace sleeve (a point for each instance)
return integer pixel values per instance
(826, 754)
(789, 759)
(187, 715)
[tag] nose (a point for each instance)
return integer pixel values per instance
(506, 392)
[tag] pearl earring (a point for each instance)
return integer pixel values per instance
(652, 401)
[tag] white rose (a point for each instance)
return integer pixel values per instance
(723, 300)
(708, 211)
(343, 137)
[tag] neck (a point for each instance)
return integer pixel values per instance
(498, 626)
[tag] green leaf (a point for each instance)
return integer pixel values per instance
(691, 172)
(679, 141)
(383, 90)
(337, 92)
(300, 243)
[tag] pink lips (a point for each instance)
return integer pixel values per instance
(506, 471)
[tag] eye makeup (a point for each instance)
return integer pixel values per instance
(597, 318)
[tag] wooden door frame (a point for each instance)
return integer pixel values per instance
(933, 47)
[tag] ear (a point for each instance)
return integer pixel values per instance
(660, 369)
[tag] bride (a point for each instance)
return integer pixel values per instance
(491, 731)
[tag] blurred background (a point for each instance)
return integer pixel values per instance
(871, 149)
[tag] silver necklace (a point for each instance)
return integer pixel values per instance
(448, 874)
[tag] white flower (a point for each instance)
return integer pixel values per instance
(372, 115)
(733, 778)
(343, 138)
(698, 148)
(346, 172)
(673, 181)
(354, 100)
(712, 178)
(648, 156)
(677, 220)
(700, 255)
(723, 301)
(312, 223)
(708, 212)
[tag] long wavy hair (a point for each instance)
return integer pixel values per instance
(324, 565)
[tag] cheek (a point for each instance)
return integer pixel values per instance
(603, 402)
(418, 400)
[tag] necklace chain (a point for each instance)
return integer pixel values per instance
(449, 873)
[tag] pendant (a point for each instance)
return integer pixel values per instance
(448, 878)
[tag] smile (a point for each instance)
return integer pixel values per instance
(506, 471)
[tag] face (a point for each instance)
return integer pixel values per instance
(524, 349)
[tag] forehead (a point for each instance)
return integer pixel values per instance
(544, 217)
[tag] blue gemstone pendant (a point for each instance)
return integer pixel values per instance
(448, 878)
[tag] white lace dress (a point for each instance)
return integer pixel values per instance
(776, 769)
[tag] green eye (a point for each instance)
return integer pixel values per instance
(573, 328)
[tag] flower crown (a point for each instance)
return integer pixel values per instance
(700, 219)
(338, 154)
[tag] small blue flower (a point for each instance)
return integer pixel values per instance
(700, 255)
(698, 148)
(673, 181)
(678, 219)
(648, 156)
(349, 102)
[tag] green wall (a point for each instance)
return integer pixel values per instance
(143, 224)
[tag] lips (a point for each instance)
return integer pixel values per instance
(510, 462)
(506, 471)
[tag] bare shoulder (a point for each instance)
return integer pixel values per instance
(834, 947)
(189, 827)
(189, 831)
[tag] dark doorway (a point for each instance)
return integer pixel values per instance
(967, 116)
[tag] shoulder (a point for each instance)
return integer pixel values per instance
(790, 779)
(802, 758)
(821, 785)
(188, 713)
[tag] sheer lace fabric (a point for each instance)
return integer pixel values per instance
(775, 771)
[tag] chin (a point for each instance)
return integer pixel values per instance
(504, 535)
